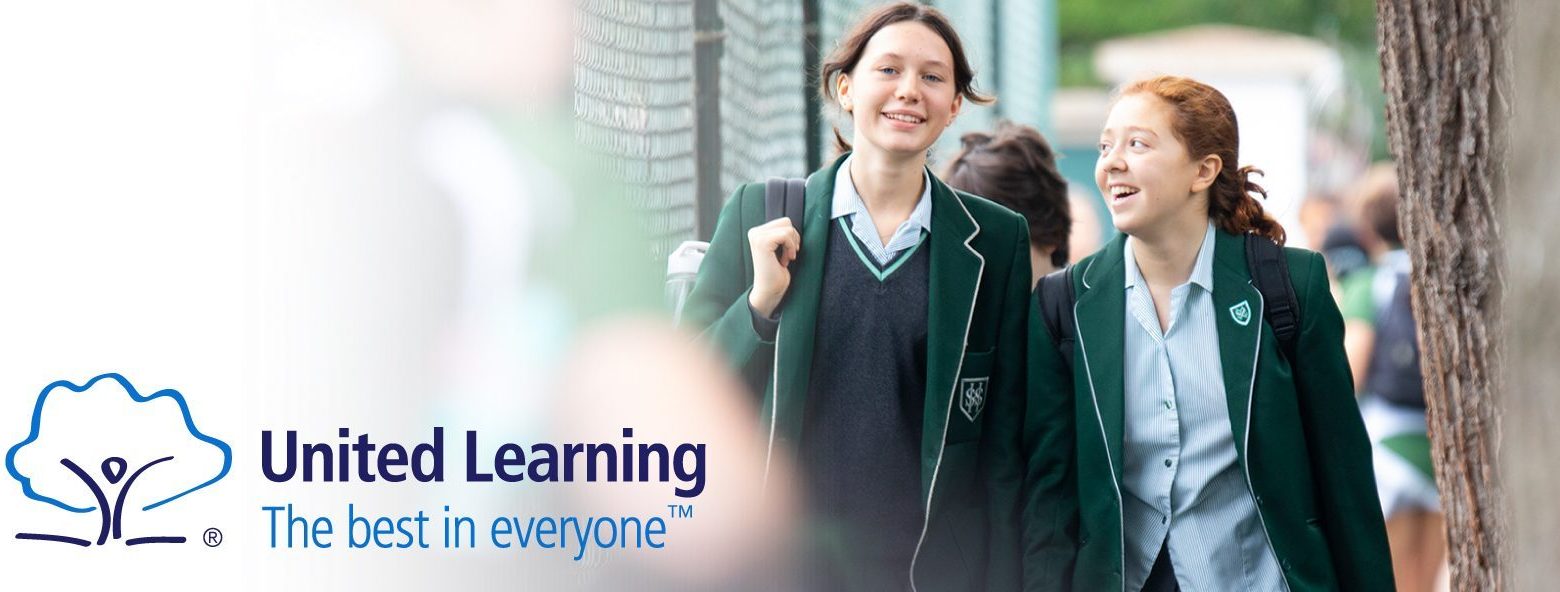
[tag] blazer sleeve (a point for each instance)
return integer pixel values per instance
(1339, 449)
(718, 304)
(1000, 437)
(1050, 504)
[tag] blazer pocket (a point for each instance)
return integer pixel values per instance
(970, 396)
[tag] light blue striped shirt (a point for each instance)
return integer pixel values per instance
(1181, 477)
(847, 202)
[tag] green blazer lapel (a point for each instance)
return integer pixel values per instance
(955, 278)
(1238, 308)
(799, 314)
(1101, 317)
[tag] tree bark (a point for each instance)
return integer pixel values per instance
(1445, 73)
(1532, 410)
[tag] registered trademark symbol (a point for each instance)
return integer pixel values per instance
(213, 537)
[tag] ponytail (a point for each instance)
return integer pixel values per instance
(841, 145)
(1233, 205)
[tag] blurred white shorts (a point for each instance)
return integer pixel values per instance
(1402, 483)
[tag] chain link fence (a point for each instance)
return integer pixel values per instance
(633, 104)
(763, 100)
(656, 79)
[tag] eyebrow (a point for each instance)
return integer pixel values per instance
(1132, 128)
(896, 56)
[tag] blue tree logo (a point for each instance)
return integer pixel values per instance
(89, 444)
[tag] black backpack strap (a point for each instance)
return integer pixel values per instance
(1057, 297)
(795, 197)
(1270, 274)
(785, 197)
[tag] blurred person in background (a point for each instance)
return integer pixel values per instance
(889, 332)
(1359, 246)
(1380, 322)
(1318, 213)
(1345, 254)
(1087, 234)
(1329, 228)
(1014, 166)
(1354, 247)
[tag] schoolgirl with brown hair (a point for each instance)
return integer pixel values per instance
(1208, 456)
(887, 338)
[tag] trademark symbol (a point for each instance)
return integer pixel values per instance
(213, 537)
(679, 510)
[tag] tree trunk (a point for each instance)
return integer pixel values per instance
(1532, 410)
(1445, 72)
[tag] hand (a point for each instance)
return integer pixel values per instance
(775, 245)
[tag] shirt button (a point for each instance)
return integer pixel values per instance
(1163, 519)
(1259, 500)
(1167, 462)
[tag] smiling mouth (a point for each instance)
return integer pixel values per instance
(905, 118)
(1119, 193)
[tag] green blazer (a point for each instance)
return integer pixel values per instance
(971, 470)
(1298, 433)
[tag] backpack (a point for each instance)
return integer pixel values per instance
(1393, 372)
(1269, 272)
(782, 197)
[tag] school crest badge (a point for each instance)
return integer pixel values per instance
(1241, 313)
(972, 396)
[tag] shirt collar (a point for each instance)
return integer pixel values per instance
(848, 201)
(1202, 269)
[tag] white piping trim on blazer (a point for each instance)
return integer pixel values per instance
(1104, 439)
(1251, 391)
(774, 406)
(942, 443)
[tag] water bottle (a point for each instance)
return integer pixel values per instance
(682, 267)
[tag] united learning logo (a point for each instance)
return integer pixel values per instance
(103, 447)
